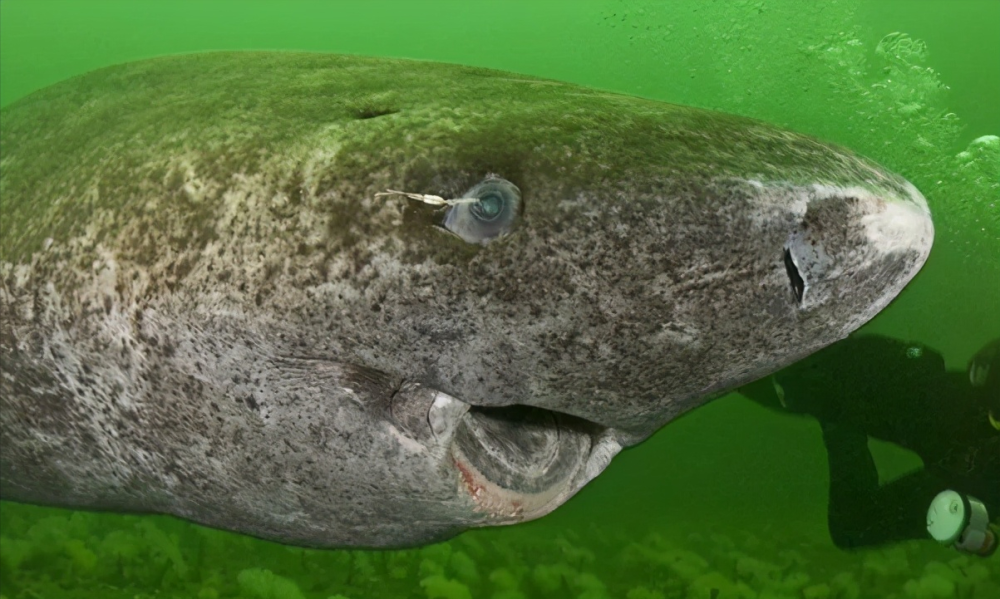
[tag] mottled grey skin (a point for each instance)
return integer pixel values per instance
(206, 312)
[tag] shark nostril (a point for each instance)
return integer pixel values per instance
(794, 278)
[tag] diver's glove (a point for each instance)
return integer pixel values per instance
(961, 521)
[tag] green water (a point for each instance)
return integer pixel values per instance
(731, 497)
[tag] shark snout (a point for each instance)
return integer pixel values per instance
(857, 241)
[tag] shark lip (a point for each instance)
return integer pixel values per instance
(518, 462)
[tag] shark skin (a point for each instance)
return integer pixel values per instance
(211, 306)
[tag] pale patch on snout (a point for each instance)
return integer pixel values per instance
(900, 227)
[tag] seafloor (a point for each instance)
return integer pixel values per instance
(63, 554)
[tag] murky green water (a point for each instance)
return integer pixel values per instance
(729, 500)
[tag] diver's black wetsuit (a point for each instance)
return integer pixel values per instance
(898, 392)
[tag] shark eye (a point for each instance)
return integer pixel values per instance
(492, 214)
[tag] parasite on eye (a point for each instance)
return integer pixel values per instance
(433, 200)
(483, 213)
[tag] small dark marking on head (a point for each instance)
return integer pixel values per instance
(251, 402)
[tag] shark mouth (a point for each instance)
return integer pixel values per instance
(518, 463)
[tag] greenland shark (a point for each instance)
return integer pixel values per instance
(339, 301)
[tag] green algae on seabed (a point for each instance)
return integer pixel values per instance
(814, 71)
(132, 556)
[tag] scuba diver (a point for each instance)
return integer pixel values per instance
(873, 386)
